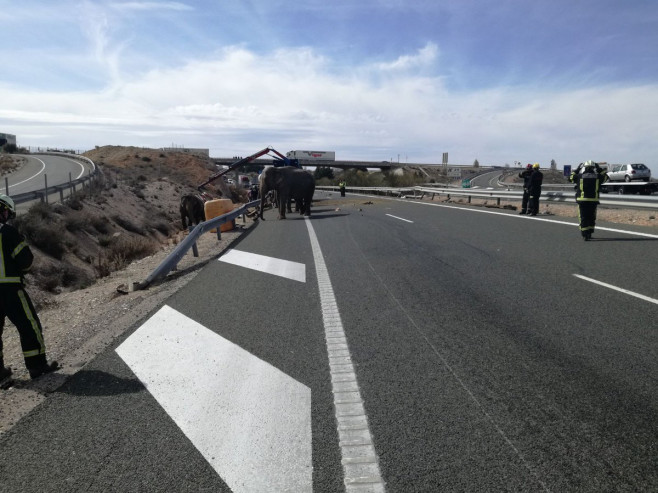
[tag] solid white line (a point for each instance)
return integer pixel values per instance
(401, 219)
(82, 167)
(359, 458)
(249, 420)
(621, 290)
(516, 216)
(43, 166)
(270, 265)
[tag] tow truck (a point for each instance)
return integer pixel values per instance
(278, 160)
(627, 187)
(630, 187)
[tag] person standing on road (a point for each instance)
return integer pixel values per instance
(16, 259)
(341, 186)
(525, 174)
(587, 179)
(534, 189)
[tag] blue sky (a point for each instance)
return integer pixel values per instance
(500, 82)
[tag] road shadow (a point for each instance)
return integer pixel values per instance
(623, 239)
(313, 217)
(99, 383)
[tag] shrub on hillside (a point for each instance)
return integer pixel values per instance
(43, 233)
(126, 224)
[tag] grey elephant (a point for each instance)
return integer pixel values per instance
(289, 183)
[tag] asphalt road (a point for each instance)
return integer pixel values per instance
(483, 362)
(32, 176)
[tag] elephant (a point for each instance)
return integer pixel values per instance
(192, 209)
(289, 182)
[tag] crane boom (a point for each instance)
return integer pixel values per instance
(241, 162)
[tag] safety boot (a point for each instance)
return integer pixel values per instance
(5, 372)
(37, 371)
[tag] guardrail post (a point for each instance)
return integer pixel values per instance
(498, 201)
(61, 195)
(469, 199)
(46, 189)
(195, 250)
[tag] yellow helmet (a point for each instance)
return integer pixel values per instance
(535, 166)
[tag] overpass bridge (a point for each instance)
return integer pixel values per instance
(383, 165)
(348, 164)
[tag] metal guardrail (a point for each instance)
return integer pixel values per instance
(646, 202)
(170, 263)
(43, 193)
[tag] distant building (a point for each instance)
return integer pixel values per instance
(10, 139)
(203, 153)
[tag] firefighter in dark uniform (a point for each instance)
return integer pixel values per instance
(525, 174)
(587, 179)
(341, 186)
(15, 259)
(534, 189)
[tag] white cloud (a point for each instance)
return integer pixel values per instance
(238, 102)
(425, 57)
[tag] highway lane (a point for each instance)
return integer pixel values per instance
(488, 180)
(58, 169)
(489, 303)
(483, 362)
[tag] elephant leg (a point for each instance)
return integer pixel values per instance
(283, 201)
(307, 205)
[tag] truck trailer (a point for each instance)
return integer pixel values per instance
(627, 188)
(312, 155)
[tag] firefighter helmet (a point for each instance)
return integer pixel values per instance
(535, 166)
(529, 166)
(7, 203)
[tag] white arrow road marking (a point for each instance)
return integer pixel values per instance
(270, 265)
(250, 421)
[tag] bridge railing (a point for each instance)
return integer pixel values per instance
(646, 202)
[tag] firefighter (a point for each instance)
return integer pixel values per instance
(15, 259)
(587, 179)
(525, 174)
(341, 186)
(534, 189)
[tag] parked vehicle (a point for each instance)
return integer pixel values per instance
(312, 155)
(628, 172)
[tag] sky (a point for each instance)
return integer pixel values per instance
(503, 82)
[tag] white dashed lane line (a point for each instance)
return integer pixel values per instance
(400, 218)
(616, 288)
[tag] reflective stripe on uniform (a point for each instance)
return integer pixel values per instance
(3, 271)
(10, 280)
(18, 249)
(33, 323)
